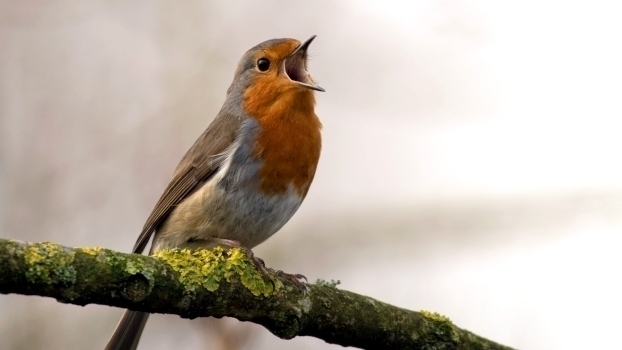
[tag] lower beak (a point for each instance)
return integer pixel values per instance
(295, 66)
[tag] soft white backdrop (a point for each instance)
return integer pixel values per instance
(470, 162)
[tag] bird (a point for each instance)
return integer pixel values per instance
(249, 171)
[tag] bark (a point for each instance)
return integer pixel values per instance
(221, 283)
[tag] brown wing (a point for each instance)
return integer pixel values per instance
(197, 166)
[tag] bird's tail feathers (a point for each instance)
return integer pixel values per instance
(127, 334)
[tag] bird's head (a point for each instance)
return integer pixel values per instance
(275, 71)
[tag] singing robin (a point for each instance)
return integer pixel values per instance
(248, 173)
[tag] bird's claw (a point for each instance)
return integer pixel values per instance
(294, 278)
(265, 271)
(260, 265)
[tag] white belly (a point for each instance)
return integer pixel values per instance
(241, 214)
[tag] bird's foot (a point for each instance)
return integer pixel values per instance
(258, 262)
(261, 265)
(265, 272)
(295, 278)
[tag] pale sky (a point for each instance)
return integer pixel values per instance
(523, 98)
(437, 116)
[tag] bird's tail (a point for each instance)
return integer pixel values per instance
(127, 334)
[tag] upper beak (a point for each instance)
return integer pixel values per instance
(295, 66)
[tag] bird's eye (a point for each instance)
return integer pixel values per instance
(263, 64)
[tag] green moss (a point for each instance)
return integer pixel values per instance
(434, 316)
(323, 283)
(327, 303)
(207, 268)
(134, 266)
(49, 263)
(138, 265)
(305, 304)
(111, 258)
(91, 251)
(442, 324)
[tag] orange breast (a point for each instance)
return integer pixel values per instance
(289, 142)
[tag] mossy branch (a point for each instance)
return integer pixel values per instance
(221, 283)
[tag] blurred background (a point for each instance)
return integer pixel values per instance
(471, 161)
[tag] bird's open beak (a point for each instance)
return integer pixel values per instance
(295, 66)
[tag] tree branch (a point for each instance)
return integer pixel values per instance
(222, 283)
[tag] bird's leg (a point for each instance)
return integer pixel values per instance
(294, 278)
(261, 265)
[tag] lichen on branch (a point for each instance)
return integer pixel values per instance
(201, 283)
(207, 268)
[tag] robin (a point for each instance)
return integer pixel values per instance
(247, 174)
